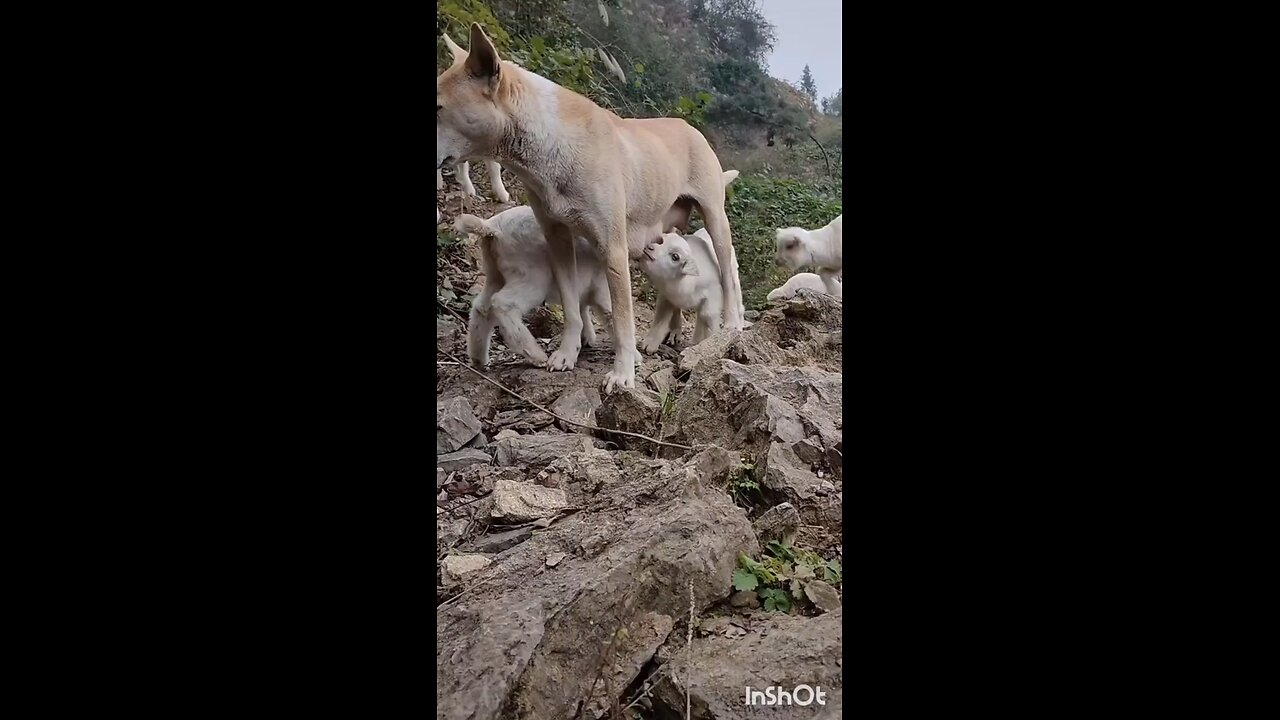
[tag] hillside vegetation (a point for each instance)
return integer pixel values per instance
(704, 61)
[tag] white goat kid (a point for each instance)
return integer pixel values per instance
(822, 249)
(808, 281)
(462, 171)
(685, 276)
(517, 267)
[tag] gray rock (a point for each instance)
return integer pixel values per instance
(461, 459)
(497, 542)
(448, 530)
(538, 637)
(455, 568)
(456, 424)
(513, 502)
(751, 315)
(780, 522)
(822, 595)
(662, 381)
(441, 476)
(631, 409)
(505, 434)
(711, 349)
(788, 651)
(744, 599)
(578, 404)
(536, 451)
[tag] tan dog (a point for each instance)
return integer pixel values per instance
(588, 173)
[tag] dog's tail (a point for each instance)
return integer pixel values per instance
(729, 176)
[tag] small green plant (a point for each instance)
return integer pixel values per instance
(742, 483)
(668, 402)
(781, 573)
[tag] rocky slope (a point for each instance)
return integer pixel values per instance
(570, 561)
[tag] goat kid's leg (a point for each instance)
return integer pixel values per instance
(661, 322)
(675, 329)
(479, 333)
(588, 329)
(439, 179)
(507, 308)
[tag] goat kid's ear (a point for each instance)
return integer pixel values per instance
(689, 267)
(483, 62)
(459, 55)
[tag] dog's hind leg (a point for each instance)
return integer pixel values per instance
(495, 181)
(564, 271)
(710, 199)
(463, 171)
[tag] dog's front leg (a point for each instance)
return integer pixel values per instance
(564, 271)
(495, 181)
(611, 240)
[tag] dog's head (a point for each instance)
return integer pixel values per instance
(469, 118)
(668, 258)
(792, 252)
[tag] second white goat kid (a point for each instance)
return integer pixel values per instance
(822, 249)
(517, 279)
(685, 276)
(807, 281)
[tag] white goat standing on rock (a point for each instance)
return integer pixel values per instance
(821, 249)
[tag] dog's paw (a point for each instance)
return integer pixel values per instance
(537, 356)
(562, 360)
(672, 339)
(617, 378)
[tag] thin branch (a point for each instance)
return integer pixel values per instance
(442, 304)
(509, 391)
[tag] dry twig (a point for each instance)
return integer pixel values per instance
(509, 391)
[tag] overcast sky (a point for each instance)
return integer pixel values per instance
(808, 34)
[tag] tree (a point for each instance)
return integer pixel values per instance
(809, 87)
(834, 105)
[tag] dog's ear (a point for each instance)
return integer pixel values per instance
(459, 54)
(483, 62)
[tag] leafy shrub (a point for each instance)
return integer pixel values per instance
(781, 573)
